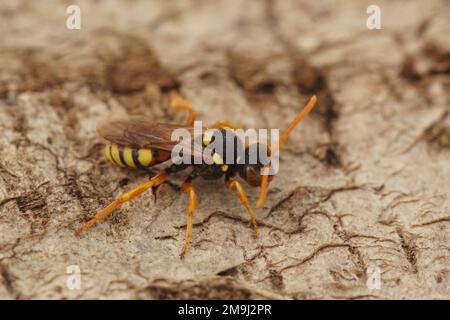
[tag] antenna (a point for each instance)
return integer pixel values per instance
(265, 177)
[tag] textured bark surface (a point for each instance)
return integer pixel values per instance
(364, 182)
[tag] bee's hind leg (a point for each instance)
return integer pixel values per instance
(127, 196)
(130, 195)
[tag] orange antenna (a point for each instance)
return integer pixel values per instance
(265, 177)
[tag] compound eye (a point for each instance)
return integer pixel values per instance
(253, 176)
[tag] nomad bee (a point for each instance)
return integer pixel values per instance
(141, 144)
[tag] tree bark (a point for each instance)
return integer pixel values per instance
(359, 209)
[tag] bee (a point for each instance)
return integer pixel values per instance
(140, 144)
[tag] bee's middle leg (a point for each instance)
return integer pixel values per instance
(221, 124)
(177, 102)
(230, 183)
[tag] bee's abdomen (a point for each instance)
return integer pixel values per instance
(134, 157)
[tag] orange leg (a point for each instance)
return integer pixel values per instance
(130, 195)
(225, 124)
(177, 102)
(244, 200)
(192, 206)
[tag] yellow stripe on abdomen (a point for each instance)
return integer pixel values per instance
(145, 157)
(132, 157)
(108, 153)
(128, 157)
(115, 155)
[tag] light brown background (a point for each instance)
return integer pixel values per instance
(363, 182)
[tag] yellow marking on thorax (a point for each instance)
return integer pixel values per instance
(128, 157)
(217, 158)
(207, 136)
(145, 157)
(115, 155)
